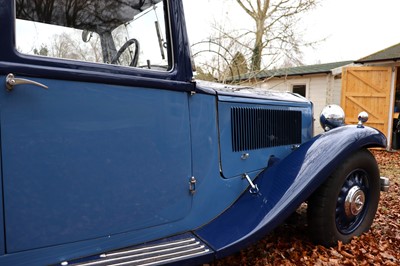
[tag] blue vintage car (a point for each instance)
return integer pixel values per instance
(112, 154)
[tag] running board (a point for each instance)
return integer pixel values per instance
(187, 247)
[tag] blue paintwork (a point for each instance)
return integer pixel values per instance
(102, 159)
(82, 160)
(204, 135)
(206, 164)
(284, 186)
(231, 163)
(232, 93)
(2, 243)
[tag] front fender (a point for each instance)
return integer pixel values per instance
(284, 186)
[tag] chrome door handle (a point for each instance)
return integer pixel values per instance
(11, 81)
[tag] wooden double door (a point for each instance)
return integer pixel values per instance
(369, 89)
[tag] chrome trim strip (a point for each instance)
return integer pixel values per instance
(160, 246)
(152, 255)
(165, 260)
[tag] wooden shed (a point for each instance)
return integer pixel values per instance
(374, 86)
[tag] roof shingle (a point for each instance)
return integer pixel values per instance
(295, 71)
(303, 70)
(391, 53)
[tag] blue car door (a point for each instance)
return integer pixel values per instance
(104, 150)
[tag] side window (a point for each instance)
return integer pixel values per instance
(110, 32)
(299, 89)
(51, 40)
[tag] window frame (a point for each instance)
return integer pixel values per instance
(302, 85)
(57, 68)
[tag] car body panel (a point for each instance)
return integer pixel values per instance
(111, 156)
(284, 186)
(255, 158)
(49, 138)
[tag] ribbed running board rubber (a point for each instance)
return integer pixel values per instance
(158, 253)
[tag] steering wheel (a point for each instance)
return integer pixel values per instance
(135, 58)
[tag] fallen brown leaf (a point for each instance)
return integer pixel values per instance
(289, 244)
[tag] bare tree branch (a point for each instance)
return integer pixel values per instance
(274, 36)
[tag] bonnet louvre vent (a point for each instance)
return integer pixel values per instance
(256, 128)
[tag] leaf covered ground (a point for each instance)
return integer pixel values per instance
(289, 244)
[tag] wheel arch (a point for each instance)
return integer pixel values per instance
(284, 186)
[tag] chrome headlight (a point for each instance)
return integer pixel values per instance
(331, 116)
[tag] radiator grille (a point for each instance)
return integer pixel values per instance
(256, 128)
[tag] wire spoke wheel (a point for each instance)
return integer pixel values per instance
(345, 205)
(351, 204)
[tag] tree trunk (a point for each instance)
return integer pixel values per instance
(258, 47)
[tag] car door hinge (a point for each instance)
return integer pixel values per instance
(192, 185)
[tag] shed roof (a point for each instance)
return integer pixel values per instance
(305, 70)
(391, 53)
(300, 70)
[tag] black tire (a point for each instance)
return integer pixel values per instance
(335, 212)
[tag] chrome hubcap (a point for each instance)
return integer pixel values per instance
(354, 201)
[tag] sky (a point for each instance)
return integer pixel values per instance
(352, 29)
